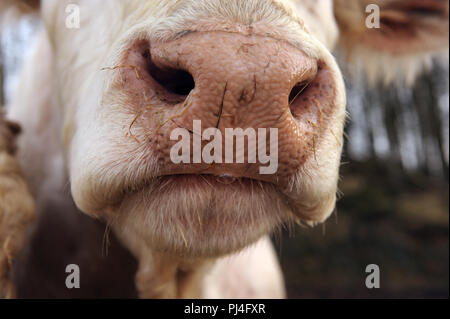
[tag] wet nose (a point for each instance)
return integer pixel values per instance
(228, 82)
(233, 80)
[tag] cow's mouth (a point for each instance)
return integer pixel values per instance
(201, 215)
(224, 179)
(214, 179)
(200, 182)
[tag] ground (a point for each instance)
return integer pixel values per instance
(399, 224)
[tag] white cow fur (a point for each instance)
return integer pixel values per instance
(252, 273)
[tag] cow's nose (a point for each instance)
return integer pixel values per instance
(235, 81)
(236, 73)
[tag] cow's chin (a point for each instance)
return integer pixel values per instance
(198, 215)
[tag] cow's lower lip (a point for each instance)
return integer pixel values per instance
(201, 215)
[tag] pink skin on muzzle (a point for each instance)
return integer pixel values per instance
(227, 80)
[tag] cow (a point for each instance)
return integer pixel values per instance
(17, 207)
(110, 87)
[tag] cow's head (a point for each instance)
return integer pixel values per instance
(136, 73)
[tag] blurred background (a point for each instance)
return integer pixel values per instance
(394, 209)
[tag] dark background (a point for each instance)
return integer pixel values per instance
(393, 211)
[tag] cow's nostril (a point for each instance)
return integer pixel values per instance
(297, 91)
(175, 81)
